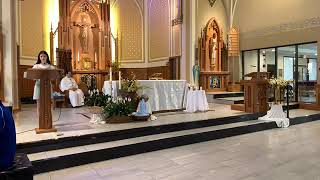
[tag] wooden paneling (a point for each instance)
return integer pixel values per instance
(164, 70)
(146, 73)
(26, 85)
(174, 68)
(1, 68)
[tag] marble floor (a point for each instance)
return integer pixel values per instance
(75, 121)
(279, 154)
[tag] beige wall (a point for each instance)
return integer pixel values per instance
(273, 23)
(251, 15)
(147, 38)
(205, 12)
(159, 30)
(131, 30)
(31, 30)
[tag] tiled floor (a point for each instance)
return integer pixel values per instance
(290, 153)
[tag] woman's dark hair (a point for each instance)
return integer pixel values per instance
(43, 52)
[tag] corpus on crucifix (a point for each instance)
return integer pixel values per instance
(84, 33)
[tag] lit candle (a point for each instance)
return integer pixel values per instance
(95, 57)
(78, 56)
(119, 79)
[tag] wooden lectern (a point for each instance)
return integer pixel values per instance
(255, 92)
(45, 116)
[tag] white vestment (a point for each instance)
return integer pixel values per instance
(76, 97)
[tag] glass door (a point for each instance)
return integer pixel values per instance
(307, 72)
(286, 65)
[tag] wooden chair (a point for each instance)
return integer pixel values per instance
(84, 88)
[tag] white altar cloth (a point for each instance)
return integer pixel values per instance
(197, 101)
(276, 114)
(163, 94)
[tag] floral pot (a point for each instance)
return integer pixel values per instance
(140, 118)
(118, 119)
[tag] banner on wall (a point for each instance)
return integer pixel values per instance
(233, 42)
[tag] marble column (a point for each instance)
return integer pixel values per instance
(11, 65)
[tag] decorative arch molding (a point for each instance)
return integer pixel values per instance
(159, 31)
(284, 27)
(131, 31)
(92, 8)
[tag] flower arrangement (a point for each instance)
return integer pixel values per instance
(116, 66)
(278, 85)
(119, 107)
(97, 98)
(130, 85)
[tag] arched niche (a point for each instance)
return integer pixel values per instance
(213, 44)
(85, 19)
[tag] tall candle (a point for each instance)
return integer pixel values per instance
(78, 56)
(119, 79)
(95, 57)
(110, 74)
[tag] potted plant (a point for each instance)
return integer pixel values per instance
(119, 110)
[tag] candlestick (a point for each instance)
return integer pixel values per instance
(119, 79)
(110, 74)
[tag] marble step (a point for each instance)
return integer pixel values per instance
(74, 141)
(229, 100)
(76, 156)
(80, 155)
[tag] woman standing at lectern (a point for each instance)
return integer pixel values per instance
(43, 62)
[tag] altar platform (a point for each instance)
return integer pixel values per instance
(78, 142)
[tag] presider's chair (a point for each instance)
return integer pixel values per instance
(84, 88)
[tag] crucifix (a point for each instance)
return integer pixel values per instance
(84, 33)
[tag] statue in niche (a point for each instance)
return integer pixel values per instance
(213, 49)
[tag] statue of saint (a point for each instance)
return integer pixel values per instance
(213, 49)
(196, 73)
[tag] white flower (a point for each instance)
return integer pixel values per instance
(129, 99)
(97, 91)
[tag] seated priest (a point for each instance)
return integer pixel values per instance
(76, 96)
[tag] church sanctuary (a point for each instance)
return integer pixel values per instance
(159, 89)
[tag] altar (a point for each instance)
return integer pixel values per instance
(163, 95)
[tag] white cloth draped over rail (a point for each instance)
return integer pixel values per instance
(76, 96)
(163, 94)
(276, 114)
